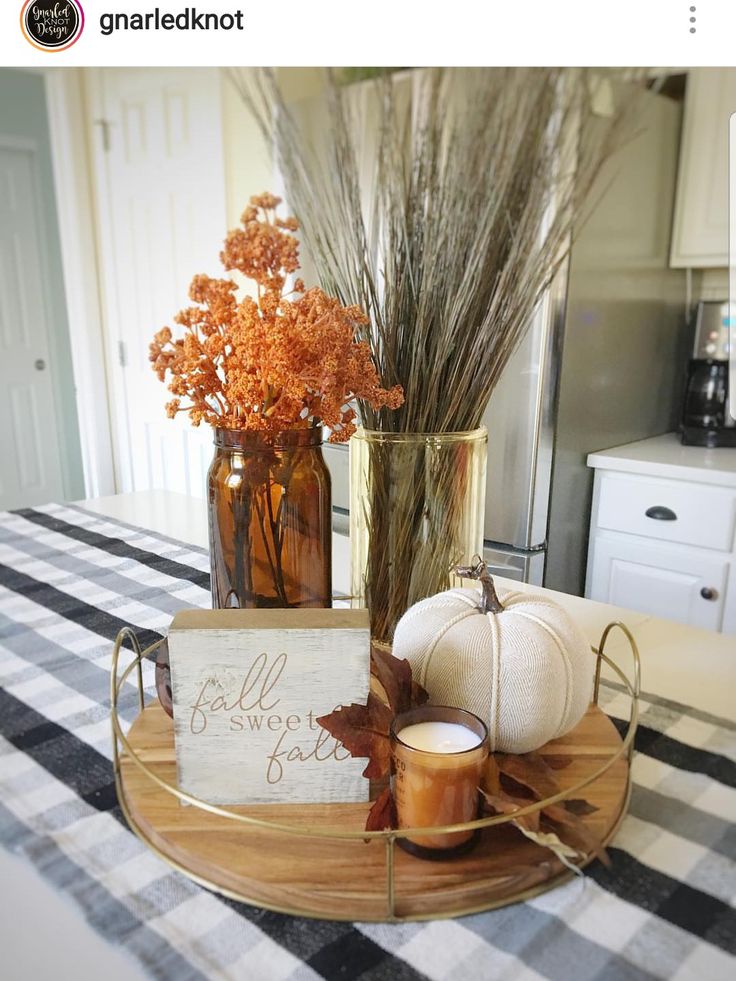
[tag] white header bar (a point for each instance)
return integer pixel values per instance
(373, 32)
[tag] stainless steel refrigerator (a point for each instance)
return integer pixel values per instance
(602, 364)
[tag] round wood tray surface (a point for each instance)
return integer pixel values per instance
(347, 879)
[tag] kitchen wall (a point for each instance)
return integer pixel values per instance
(249, 163)
(248, 159)
(249, 167)
(712, 284)
(626, 335)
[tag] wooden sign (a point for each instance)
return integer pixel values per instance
(248, 686)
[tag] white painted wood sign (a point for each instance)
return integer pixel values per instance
(248, 686)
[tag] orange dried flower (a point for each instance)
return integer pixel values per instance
(271, 363)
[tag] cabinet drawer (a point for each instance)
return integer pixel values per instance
(669, 510)
(670, 581)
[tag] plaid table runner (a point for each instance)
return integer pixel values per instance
(69, 579)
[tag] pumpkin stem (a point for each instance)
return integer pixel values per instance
(490, 602)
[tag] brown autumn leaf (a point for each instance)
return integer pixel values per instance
(491, 778)
(531, 771)
(510, 781)
(504, 804)
(579, 806)
(548, 839)
(497, 799)
(364, 729)
(573, 831)
(395, 677)
(383, 813)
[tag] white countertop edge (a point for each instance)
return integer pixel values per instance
(665, 456)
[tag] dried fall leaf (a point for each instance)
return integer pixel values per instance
(491, 781)
(531, 771)
(512, 780)
(579, 806)
(383, 813)
(395, 677)
(574, 831)
(548, 839)
(363, 731)
(503, 804)
(557, 761)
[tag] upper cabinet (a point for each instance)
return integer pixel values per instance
(700, 232)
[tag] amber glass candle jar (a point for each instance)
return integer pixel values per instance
(270, 520)
(437, 757)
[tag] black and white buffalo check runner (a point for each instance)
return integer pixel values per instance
(69, 579)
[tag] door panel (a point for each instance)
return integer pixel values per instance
(29, 439)
(663, 580)
(161, 193)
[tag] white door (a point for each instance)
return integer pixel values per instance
(160, 182)
(29, 442)
(670, 581)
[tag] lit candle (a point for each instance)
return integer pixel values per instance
(437, 755)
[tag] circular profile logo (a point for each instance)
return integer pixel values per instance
(50, 25)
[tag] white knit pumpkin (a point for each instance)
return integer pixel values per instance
(526, 670)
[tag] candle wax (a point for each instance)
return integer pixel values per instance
(439, 737)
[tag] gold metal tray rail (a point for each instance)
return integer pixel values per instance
(124, 750)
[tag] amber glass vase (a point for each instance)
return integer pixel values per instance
(270, 516)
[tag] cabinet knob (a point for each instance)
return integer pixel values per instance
(708, 593)
(661, 513)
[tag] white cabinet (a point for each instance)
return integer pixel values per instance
(669, 510)
(700, 230)
(667, 581)
(663, 532)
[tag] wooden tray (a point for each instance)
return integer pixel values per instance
(346, 879)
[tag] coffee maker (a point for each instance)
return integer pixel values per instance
(706, 420)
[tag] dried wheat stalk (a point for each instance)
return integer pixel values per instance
(447, 227)
(452, 234)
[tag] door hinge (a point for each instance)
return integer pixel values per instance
(104, 125)
(122, 354)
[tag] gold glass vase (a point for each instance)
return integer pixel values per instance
(416, 512)
(270, 513)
